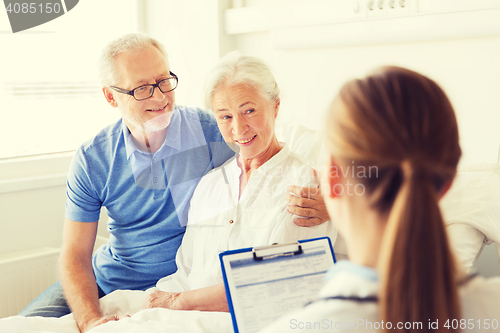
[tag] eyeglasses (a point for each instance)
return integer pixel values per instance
(146, 91)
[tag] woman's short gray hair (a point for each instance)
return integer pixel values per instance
(235, 68)
(108, 73)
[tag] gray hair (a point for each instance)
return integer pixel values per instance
(235, 68)
(108, 73)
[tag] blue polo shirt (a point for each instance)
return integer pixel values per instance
(146, 195)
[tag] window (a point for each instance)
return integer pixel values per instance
(50, 96)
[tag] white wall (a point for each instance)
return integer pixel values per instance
(32, 219)
(468, 69)
(192, 32)
(32, 201)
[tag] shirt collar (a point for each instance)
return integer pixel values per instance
(172, 139)
(350, 280)
(129, 143)
(274, 161)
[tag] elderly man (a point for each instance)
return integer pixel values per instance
(143, 169)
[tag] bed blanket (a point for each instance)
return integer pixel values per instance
(127, 303)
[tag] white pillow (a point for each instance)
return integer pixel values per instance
(471, 210)
(302, 140)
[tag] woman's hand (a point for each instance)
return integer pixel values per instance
(163, 299)
(211, 298)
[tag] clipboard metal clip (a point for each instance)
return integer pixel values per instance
(276, 250)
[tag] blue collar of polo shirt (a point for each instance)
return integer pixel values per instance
(173, 138)
(130, 146)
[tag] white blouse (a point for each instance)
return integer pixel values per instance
(220, 221)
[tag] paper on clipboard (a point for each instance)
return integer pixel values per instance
(262, 284)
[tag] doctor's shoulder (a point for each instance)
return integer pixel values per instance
(328, 316)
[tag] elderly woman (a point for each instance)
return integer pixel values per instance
(401, 274)
(241, 204)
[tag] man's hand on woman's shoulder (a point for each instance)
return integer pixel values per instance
(308, 204)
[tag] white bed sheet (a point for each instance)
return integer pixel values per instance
(150, 320)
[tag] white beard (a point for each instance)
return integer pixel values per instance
(158, 123)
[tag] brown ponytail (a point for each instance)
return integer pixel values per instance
(418, 283)
(403, 123)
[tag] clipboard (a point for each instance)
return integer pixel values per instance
(264, 283)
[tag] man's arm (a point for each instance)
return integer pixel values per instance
(211, 298)
(77, 275)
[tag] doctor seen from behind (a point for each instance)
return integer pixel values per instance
(397, 130)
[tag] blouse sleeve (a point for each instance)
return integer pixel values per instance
(285, 230)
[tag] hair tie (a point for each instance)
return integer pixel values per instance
(411, 169)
